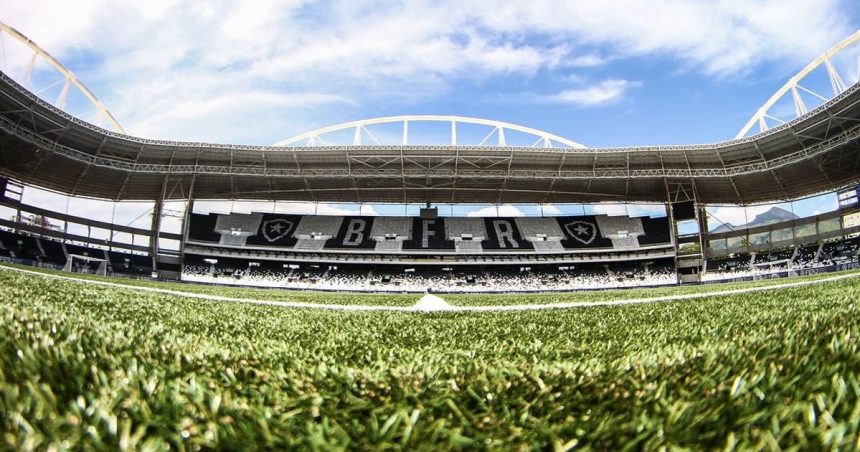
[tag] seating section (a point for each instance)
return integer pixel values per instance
(267, 230)
(44, 250)
(503, 235)
(625, 243)
(354, 233)
(738, 262)
(388, 246)
(317, 226)
(548, 247)
(774, 257)
(471, 228)
(841, 251)
(81, 250)
(806, 256)
(504, 278)
(483, 272)
(428, 234)
(845, 253)
(20, 246)
(309, 244)
(624, 232)
(474, 279)
(583, 233)
(128, 263)
(54, 252)
(535, 228)
(276, 231)
(396, 228)
(237, 227)
(468, 246)
(7, 239)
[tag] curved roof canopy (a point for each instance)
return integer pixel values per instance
(43, 146)
(497, 132)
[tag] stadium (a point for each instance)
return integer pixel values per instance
(227, 318)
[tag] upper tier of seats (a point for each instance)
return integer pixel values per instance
(471, 235)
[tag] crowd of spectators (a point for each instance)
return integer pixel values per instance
(474, 281)
(767, 263)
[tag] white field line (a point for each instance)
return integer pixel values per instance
(416, 308)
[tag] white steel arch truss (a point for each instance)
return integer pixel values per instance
(69, 80)
(794, 88)
(495, 137)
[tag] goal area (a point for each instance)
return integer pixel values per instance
(86, 264)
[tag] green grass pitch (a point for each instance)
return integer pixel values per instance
(93, 367)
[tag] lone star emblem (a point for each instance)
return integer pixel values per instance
(276, 229)
(582, 231)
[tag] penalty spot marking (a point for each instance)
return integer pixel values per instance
(432, 303)
(435, 304)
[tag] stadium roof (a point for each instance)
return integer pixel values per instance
(43, 146)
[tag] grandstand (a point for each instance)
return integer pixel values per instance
(464, 253)
(161, 339)
(471, 254)
(817, 151)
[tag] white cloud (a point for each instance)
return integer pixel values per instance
(295, 208)
(603, 93)
(309, 208)
(504, 210)
(736, 216)
(609, 209)
(632, 210)
(550, 209)
(439, 35)
(646, 210)
(202, 110)
(720, 37)
(332, 209)
(183, 69)
(588, 60)
(130, 213)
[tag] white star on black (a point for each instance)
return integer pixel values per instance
(277, 228)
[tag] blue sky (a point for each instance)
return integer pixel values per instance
(603, 73)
